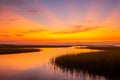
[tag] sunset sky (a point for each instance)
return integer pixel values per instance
(60, 21)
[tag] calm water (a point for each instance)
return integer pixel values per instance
(37, 66)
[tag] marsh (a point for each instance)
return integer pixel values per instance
(105, 62)
(40, 65)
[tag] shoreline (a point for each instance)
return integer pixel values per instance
(4, 51)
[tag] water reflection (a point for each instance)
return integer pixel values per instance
(95, 65)
(77, 74)
(37, 66)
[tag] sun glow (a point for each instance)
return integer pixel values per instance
(90, 22)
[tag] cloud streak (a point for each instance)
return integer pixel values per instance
(11, 35)
(5, 35)
(34, 11)
(76, 29)
(12, 3)
(21, 34)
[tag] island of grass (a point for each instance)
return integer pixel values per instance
(17, 50)
(103, 63)
(12, 49)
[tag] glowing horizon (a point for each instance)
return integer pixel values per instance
(60, 21)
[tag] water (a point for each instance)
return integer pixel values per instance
(37, 66)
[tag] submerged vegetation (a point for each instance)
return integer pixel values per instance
(103, 63)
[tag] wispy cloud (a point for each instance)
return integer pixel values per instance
(5, 35)
(21, 34)
(37, 30)
(11, 20)
(18, 34)
(11, 35)
(11, 3)
(76, 29)
(8, 20)
(7, 8)
(34, 11)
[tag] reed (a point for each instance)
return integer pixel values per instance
(104, 63)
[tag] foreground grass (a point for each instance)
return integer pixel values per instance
(17, 50)
(105, 63)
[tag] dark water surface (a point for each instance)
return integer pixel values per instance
(38, 66)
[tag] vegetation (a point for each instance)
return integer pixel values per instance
(104, 63)
(12, 49)
(30, 46)
(17, 50)
(108, 48)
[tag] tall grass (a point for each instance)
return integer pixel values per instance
(104, 63)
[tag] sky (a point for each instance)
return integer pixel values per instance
(59, 21)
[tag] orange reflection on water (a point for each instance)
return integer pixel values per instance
(16, 64)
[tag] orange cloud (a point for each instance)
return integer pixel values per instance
(16, 28)
(76, 29)
(5, 35)
(11, 22)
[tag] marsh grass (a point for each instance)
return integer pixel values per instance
(104, 63)
(17, 50)
(30, 46)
